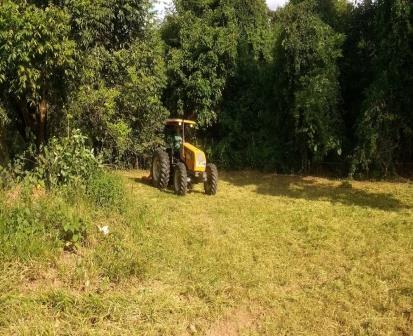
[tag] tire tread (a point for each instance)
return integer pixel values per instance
(181, 187)
(165, 169)
(211, 184)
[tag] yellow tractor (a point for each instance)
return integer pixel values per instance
(182, 164)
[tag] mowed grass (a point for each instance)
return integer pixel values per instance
(269, 255)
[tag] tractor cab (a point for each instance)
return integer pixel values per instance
(178, 131)
(182, 163)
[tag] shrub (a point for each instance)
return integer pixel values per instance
(65, 160)
(5, 178)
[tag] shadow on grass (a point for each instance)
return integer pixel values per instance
(148, 182)
(298, 187)
(142, 180)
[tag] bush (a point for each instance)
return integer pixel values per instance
(65, 160)
(5, 178)
(38, 223)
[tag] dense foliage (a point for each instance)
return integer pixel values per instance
(200, 40)
(384, 129)
(36, 61)
(312, 83)
(93, 65)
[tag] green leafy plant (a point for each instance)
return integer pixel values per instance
(65, 160)
(73, 231)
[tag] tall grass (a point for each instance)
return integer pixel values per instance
(269, 255)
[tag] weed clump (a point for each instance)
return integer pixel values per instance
(118, 260)
(105, 190)
(31, 229)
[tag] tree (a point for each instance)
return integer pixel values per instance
(244, 138)
(384, 128)
(307, 88)
(332, 12)
(356, 68)
(118, 102)
(201, 47)
(36, 63)
(114, 24)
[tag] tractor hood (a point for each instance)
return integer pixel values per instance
(194, 158)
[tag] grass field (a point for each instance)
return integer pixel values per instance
(269, 255)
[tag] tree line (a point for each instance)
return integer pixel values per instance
(315, 81)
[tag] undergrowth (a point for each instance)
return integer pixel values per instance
(35, 222)
(47, 191)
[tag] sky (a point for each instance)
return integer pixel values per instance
(161, 5)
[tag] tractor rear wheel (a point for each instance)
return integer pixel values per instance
(211, 183)
(160, 169)
(180, 179)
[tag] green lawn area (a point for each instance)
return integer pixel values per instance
(268, 255)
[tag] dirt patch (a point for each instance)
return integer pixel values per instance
(12, 196)
(235, 321)
(35, 279)
(38, 192)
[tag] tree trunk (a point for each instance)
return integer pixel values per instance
(4, 154)
(41, 122)
(27, 117)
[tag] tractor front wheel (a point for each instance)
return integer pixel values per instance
(211, 182)
(160, 169)
(180, 179)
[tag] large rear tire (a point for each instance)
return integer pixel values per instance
(160, 170)
(180, 179)
(211, 183)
